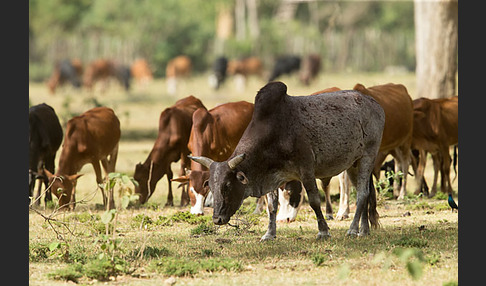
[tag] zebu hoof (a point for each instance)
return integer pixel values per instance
(352, 233)
(323, 236)
(268, 237)
(329, 217)
(363, 233)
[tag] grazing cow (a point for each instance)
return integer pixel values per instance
(310, 67)
(214, 134)
(301, 138)
(123, 75)
(98, 70)
(243, 68)
(45, 137)
(218, 77)
(179, 66)
(175, 124)
(396, 140)
(435, 129)
(90, 138)
(65, 71)
(285, 65)
(141, 71)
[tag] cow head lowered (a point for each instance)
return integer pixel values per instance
(228, 185)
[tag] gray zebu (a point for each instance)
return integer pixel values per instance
(301, 138)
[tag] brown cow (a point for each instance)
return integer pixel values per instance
(179, 66)
(243, 68)
(90, 138)
(214, 134)
(435, 129)
(66, 71)
(309, 69)
(396, 138)
(141, 71)
(98, 70)
(175, 125)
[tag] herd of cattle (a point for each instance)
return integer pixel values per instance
(101, 70)
(272, 149)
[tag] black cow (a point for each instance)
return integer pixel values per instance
(301, 138)
(123, 75)
(45, 137)
(219, 71)
(285, 65)
(65, 71)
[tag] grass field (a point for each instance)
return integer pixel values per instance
(153, 244)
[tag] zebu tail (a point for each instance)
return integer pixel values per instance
(373, 215)
(454, 162)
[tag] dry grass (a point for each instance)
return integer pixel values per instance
(287, 259)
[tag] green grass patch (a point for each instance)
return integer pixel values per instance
(171, 266)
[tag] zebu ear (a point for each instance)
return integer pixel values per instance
(48, 174)
(206, 162)
(74, 177)
(181, 179)
(234, 162)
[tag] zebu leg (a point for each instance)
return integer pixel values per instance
(402, 154)
(315, 203)
(344, 189)
(325, 187)
(272, 206)
(360, 177)
(170, 196)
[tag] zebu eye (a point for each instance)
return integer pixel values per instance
(59, 190)
(241, 177)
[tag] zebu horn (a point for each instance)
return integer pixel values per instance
(206, 162)
(236, 161)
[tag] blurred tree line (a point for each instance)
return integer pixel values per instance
(349, 35)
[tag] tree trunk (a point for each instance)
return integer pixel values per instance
(436, 47)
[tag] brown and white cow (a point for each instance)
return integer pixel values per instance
(178, 67)
(175, 124)
(90, 138)
(435, 130)
(66, 71)
(214, 134)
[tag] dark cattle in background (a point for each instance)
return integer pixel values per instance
(309, 69)
(285, 65)
(435, 130)
(45, 137)
(90, 138)
(175, 124)
(66, 71)
(220, 66)
(123, 75)
(214, 134)
(301, 138)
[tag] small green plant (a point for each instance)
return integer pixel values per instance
(318, 258)
(204, 228)
(384, 187)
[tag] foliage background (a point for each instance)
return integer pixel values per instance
(344, 33)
